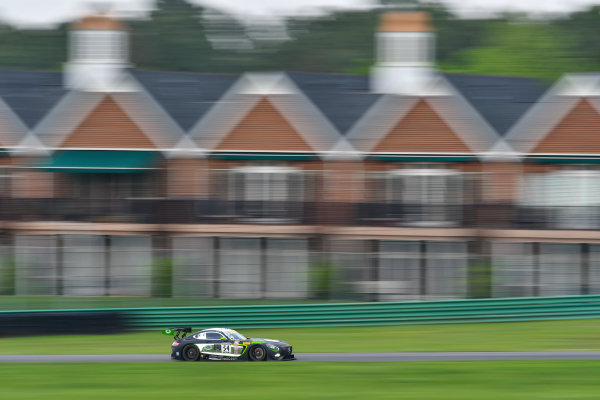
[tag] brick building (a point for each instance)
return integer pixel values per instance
(405, 184)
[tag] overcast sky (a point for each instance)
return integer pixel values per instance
(46, 12)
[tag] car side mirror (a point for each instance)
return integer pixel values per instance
(223, 338)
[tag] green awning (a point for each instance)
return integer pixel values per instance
(422, 158)
(566, 159)
(101, 161)
(266, 156)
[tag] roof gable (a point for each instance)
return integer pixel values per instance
(577, 132)
(285, 102)
(553, 115)
(264, 128)
(107, 126)
(421, 130)
(134, 107)
(449, 106)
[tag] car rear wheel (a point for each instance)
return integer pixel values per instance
(190, 352)
(257, 353)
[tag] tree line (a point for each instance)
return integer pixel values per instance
(178, 36)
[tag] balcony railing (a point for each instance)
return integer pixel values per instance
(180, 211)
(156, 211)
(237, 212)
(80, 210)
(564, 217)
(410, 214)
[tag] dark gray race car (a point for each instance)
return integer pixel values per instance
(225, 344)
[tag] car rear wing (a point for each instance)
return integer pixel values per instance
(177, 333)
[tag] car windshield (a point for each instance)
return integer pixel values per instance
(235, 335)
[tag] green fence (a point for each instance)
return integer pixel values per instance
(359, 314)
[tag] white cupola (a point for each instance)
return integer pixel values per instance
(405, 45)
(98, 54)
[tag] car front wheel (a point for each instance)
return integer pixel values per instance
(257, 353)
(190, 352)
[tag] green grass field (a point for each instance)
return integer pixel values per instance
(569, 380)
(489, 380)
(569, 335)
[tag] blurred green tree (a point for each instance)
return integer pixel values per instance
(338, 42)
(580, 31)
(178, 36)
(42, 49)
(344, 41)
(172, 39)
(520, 48)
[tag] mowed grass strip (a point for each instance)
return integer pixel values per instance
(529, 380)
(569, 335)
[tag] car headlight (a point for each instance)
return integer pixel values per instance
(272, 347)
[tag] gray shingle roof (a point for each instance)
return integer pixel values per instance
(186, 96)
(343, 99)
(501, 100)
(31, 94)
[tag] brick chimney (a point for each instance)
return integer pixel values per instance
(98, 54)
(405, 53)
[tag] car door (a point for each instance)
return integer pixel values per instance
(210, 342)
(220, 346)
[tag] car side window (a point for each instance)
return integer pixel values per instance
(201, 335)
(213, 335)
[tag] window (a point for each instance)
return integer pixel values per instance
(428, 193)
(570, 196)
(213, 335)
(560, 269)
(400, 263)
(235, 335)
(267, 184)
(411, 270)
(112, 186)
(266, 191)
(446, 270)
(513, 271)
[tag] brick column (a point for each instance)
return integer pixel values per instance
(188, 178)
(343, 186)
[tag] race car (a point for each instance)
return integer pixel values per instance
(224, 344)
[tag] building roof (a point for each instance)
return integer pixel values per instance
(31, 94)
(185, 96)
(343, 99)
(501, 100)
